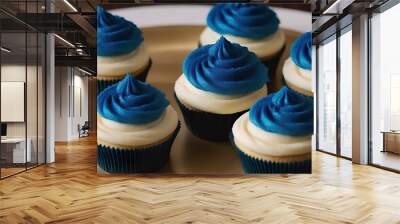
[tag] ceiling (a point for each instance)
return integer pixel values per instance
(21, 21)
(332, 15)
(16, 42)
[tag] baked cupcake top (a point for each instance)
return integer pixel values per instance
(254, 26)
(115, 35)
(225, 68)
(254, 21)
(131, 102)
(278, 125)
(132, 114)
(297, 68)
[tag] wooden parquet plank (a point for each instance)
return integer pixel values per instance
(70, 191)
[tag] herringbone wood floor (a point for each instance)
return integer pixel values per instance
(70, 191)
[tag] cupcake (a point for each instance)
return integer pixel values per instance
(136, 127)
(254, 26)
(275, 135)
(219, 83)
(297, 68)
(120, 50)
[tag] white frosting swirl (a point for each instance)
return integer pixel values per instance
(113, 133)
(253, 138)
(263, 48)
(133, 62)
(297, 78)
(214, 103)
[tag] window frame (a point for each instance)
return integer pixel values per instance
(334, 37)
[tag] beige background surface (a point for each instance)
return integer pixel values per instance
(168, 46)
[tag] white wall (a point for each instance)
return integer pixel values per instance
(79, 117)
(50, 93)
(61, 103)
(70, 81)
(360, 90)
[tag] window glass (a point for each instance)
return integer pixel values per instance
(385, 89)
(346, 94)
(15, 149)
(327, 97)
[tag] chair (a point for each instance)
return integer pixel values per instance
(84, 130)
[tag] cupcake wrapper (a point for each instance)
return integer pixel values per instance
(102, 84)
(143, 160)
(208, 126)
(253, 165)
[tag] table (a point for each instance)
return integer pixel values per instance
(391, 141)
(17, 150)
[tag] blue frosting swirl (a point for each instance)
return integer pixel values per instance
(248, 20)
(301, 51)
(225, 68)
(115, 35)
(131, 102)
(284, 112)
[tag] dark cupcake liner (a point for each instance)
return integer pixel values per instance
(102, 84)
(272, 63)
(143, 160)
(208, 126)
(253, 165)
